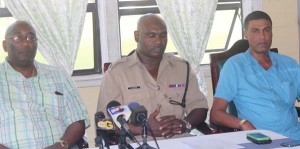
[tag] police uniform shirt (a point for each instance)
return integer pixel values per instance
(127, 80)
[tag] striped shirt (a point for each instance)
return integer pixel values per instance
(34, 112)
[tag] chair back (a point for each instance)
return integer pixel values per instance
(105, 66)
(217, 61)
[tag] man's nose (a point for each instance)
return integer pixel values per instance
(27, 43)
(157, 39)
(262, 35)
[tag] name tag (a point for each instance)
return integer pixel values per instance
(134, 87)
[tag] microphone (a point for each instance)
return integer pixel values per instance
(139, 116)
(138, 113)
(103, 128)
(102, 123)
(112, 103)
(119, 114)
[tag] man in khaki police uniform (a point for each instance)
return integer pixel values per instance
(152, 78)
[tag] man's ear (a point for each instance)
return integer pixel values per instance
(245, 35)
(4, 45)
(136, 36)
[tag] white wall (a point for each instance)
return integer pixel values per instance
(284, 15)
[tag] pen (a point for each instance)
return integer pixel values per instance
(58, 93)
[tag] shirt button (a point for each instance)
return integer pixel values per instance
(165, 96)
(158, 87)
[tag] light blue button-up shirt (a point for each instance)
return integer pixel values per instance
(266, 98)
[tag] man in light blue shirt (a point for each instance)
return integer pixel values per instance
(263, 85)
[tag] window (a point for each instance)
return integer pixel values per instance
(226, 29)
(88, 60)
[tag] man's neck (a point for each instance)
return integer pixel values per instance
(151, 64)
(263, 59)
(27, 70)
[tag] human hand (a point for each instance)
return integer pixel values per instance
(153, 122)
(171, 125)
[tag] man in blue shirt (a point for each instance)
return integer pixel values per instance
(263, 85)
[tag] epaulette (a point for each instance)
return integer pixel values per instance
(116, 63)
(172, 57)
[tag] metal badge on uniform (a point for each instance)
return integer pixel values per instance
(133, 87)
(176, 85)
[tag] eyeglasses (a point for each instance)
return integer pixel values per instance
(20, 38)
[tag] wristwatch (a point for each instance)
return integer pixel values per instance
(64, 144)
(187, 125)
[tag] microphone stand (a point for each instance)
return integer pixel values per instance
(99, 141)
(145, 145)
(122, 139)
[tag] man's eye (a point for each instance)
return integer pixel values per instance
(151, 35)
(31, 38)
(163, 35)
(255, 30)
(16, 38)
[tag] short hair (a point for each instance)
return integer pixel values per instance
(256, 15)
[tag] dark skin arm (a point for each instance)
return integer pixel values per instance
(219, 116)
(3, 147)
(73, 133)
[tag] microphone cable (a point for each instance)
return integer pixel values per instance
(133, 138)
(152, 133)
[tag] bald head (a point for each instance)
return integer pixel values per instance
(20, 43)
(149, 18)
(151, 37)
(12, 27)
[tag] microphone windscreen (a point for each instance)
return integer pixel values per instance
(132, 105)
(112, 103)
(138, 113)
(99, 115)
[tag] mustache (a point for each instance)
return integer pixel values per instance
(159, 47)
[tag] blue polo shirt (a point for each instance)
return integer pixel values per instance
(266, 98)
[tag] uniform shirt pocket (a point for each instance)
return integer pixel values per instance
(136, 94)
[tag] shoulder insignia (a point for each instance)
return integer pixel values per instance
(117, 62)
(176, 58)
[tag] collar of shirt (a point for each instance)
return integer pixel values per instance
(253, 62)
(134, 60)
